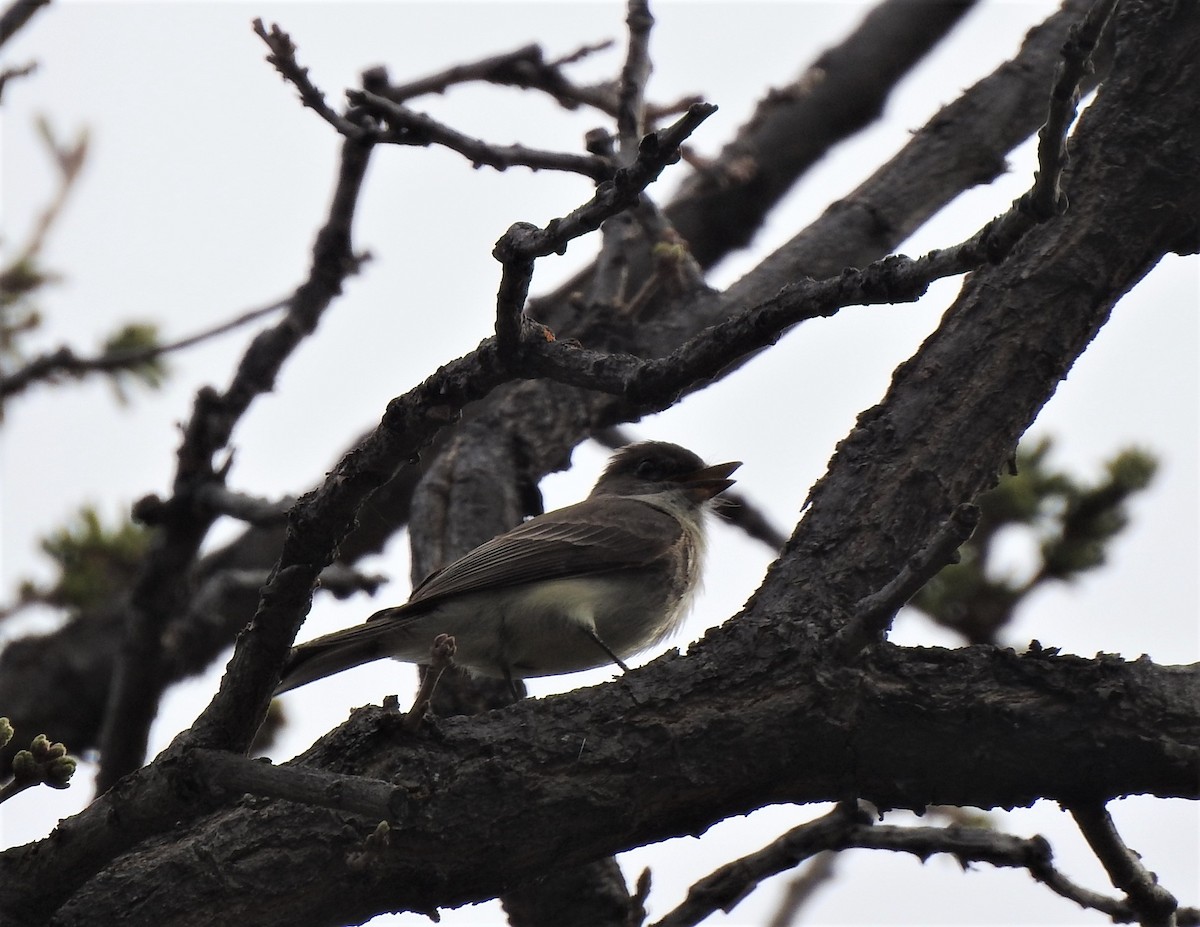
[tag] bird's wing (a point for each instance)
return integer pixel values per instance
(626, 533)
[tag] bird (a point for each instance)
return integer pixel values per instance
(588, 585)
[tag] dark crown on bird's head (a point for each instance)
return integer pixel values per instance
(641, 466)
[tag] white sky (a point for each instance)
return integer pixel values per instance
(204, 188)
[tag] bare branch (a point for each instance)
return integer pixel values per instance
(631, 93)
(1047, 197)
(524, 67)
(12, 73)
(283, 58)
(226, 772)
(65, 361)
(68, 159)
(405, 127)
(523, 242)
(724, 888)
(17, 15)
(1153, 905)
(894, 279)
(254, 510)
(845, 828)
(158, 592)
(440, 656)
(873, 614)
(821, 870)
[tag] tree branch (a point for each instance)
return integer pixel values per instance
(952, 152)
(1152, 904)
(236, 775)
(158, 592)
(873, 613)
(283, 59)
(17, 15)
(65, 361)
(319, 521)
(867, 731)
(405, 127)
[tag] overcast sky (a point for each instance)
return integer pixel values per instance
(204, 187)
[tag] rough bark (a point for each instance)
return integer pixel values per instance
(759, 711)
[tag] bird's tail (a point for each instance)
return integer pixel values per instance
(333, 653)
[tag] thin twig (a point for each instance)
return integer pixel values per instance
(821, 869)
(65, 361)
(728, 885)
(841, 830)
(283, 59)
(440, 656)
(523, 242)
(1154, 905)
(524, 67)
(631, 92)
(893, 279)
(406, 127)
(158, 592)
(873, 613)
(12, 73)
(253, 510)
(1047, 198)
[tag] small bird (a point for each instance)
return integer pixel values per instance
(573, 589)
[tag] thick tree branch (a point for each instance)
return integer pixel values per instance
(322, 518)
(962, 146)
(795, 126)
(944, 158)
(1055, 727)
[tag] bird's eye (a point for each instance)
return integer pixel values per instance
(647, 468)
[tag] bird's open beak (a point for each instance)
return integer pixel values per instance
(706, 483)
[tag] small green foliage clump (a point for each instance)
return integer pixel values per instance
(138, 342)
(94, 562)
(1074, 523)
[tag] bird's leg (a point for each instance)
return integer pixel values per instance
(590, 632)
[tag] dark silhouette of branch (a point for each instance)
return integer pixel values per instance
(873, 614)
(820, 870)
(795, 126)
(65, 361)
(17, 15)
(283, 59)
(842, 829)
(1152, 905)
(961, 146)
(158, 592)
(13, 73)
(406, 127)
